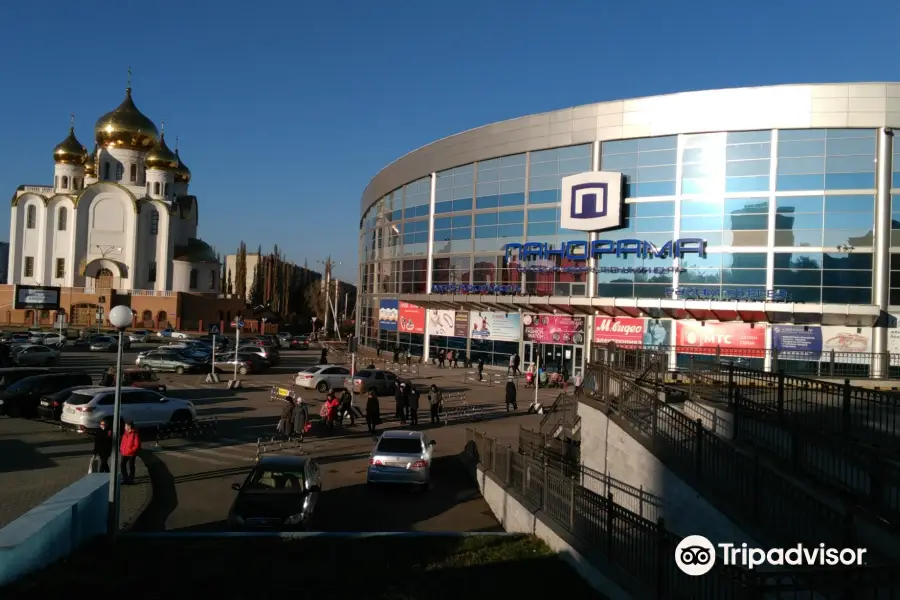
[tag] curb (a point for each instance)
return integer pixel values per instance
(148, 497)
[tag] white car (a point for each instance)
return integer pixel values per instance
(34, 355)
(322, 377)
(171, 333)
(87, 407)
(140, 336)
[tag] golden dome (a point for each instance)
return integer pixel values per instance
(182, 173)
(126, 127)
(70, 151)
(90, 165)
(161, 157)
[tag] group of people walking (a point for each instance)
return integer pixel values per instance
(129, 448)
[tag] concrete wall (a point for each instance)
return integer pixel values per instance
(607, 448)
(517, 517)
(54, 529)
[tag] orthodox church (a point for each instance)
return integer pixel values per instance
(119, 220)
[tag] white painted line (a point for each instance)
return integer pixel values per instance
(185, 454)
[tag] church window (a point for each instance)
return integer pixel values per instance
(151, 277)
(106, 171)
(60, 268)
(133, 173)
(119, 171)
(62, 219)
(154, 223)
(76, 183)
(56, 181)
(167, 190)
(30, 217)
(156, 188)
(212, 279)
(65, 183)
(29, 266)
(193, 279)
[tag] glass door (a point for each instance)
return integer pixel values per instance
(527, 355)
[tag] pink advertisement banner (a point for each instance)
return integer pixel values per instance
(621, 330)
(554, 329)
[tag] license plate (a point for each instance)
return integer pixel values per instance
(398, 465)
(44, 403)
(69, 409)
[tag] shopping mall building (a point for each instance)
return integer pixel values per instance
(753, 222)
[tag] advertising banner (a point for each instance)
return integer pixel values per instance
(501, 327)
(894, 336)
(657, 332)
(845, 339)
(388, 314)
(441, 322)
(621, 330)
(412, 318)
(795, 342)
(735, 339)
(36, 297)
(461, 324)
(553, 329)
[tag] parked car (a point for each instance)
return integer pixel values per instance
(178, 335)
(50, 405)
(402, 457)
(246, 363)
(33, 355)
(284, 339)
(322, 378)
(85, 408)
(49, 339)
(299, 343)
(83, 342)
(10, 375)
(267, 354)
(169, 360)
(281, 492)
(137, 377)
(381, 382)
(104, 343)
(22, 398)
(140, 336)
(20, 338)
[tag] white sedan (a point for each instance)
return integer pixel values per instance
(322, 377)
(33, 355)
(171, 333)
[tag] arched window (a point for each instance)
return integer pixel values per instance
(104, 279)
(166, 191)
(162, 319)
(30, 217)
(106, 171)
(62, 218)
(154, 222)
(65, 182)
(192, 283)
(147, 316)
(148, 187)
(212, 279)
(156, 188)
(120, 170)
(133, 172)
(76, 183)
(56, 181)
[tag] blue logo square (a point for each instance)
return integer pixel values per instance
(588, 201)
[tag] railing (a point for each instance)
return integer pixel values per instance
(644, 549)
(563, 412)
(562, 455)
(737, 483)
(208, 427)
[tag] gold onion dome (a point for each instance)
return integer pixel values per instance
(182, 173)
(126, 127)
(70, 151)
(161, 157)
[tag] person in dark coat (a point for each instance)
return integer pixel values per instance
(402, 399)
(480, 369)
(300, 418)
(373, 412)
(346, 408)
(103, 445)
(286, 424)
(435, 398)
(511, 396)
(323, 360)
(413, 406)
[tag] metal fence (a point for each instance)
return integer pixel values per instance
(644, 549)
(562, 455)
(208, 427)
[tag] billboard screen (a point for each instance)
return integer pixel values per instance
(36, 297)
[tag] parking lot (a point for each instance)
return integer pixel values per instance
(193, 476)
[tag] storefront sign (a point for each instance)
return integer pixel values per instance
(579, 250)
(557, 269)
(412, 318)
(488, 288)
(440, 322)
(504, 327)
(657, 332)
(843, 344)
(734, 339)
(749, 294)
(461, 324)
(797, 342)
(36, 297)
(619, 330)
(846, 339)
(553, 329)
(388, 314)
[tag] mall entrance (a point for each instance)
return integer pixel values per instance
(552, 356)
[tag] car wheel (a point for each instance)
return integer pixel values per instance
(180, 416)
(242, 370)
(322, 387)
(179, 370)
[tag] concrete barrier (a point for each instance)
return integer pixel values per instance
(55, 528)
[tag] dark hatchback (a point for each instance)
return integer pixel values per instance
(299, 343)
(51, 405)
(22, 398)
(280, 493)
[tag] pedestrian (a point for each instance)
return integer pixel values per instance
(511, 369)
(323, 360)
(103, 445)
(108, 378)
(413, 406)
(456, 358)
(511, 395)
(301, 418)
(286, 423)
(405, 394)
(398, 402)
(450, 355)
(347, 408)
(373, 412)
(442, 356)
(435, 398)
(332, 405)
(480, 369)
(130, 446)
(378, 349)
(579, 384)
(517, 360)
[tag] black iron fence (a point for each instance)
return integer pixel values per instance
(562, 455)
(644, 549)
(208, 428)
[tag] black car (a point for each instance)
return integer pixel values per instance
(10, 375)
(299, 343)
(51, 405)
(280, 493)
(22, 398)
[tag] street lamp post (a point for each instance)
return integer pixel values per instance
(120, 317)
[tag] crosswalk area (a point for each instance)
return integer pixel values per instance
(223, 452)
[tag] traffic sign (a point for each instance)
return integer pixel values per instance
(214, 330)
(238, 323)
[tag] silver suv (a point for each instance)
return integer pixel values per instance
(382, 382)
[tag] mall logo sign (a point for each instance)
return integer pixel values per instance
(591, 201)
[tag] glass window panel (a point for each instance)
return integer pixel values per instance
(512, 172)
(864, 221)
(441, 234)
(701, 207)
(462, 192)
(446, 194)
(581, 151)
(543, 196)
(462, 221)
(863, 236)
(800, 149)
(653, 209)
(617, 162)
(747, 205)
(711, 185)
(660, 224)
(799, 237)
(543, 169)
(748, 152)
(669, 142)
(850, 164)
(855, 203)
(512, 230)
(512, 160)
(487, 202)
(796, 183)
(800, 134)
(569, 167)
(746, 137)
(487, 189)
(786, 221)
(797, 277)
(860, 145)
(847, 295)
(844, 261)
(537, 215)
(409, 212)
(666, 173)
(747, 168)
(744, 260)
(484, 165)
(744, 276)
(512, 199)
(746, 184)
(489, 175)
(543, 183)
(461, 233)
(708, 223)
(700, 170)
(486, 232)
(462, 204)
(485, 219)
(712, 238)
(701, 276)
(799, 204)
(746, 222)
(619, 147)
(511, 216)
(443, 223)
(661, 188)
(541, 228)
(514, 186)
(798, 260)
(801, 166)
(849, 181)
(657, 158)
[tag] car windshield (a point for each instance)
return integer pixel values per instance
(364, 374)
(262, 480)
(102, 340)
(400, 446)
(79, 399)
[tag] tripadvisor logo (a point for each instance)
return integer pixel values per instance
(695, 555)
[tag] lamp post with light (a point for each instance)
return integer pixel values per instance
(120, 317)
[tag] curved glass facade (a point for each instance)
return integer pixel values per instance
(791, 210)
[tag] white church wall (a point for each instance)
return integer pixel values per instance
(59, 241)
(30, 245)
(106, 228)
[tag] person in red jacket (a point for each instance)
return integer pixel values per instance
(130, 446)
(332, 405)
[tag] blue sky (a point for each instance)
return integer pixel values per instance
(285, 110)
